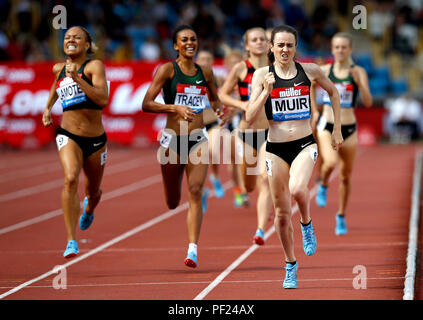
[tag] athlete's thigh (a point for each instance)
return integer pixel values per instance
(196, 168)
(278, 178)
(196, 175)
(302, 166)
(70, 155)
(347, 153)
(261, 159)
(250, 166)
(325, 146)
(94, 168)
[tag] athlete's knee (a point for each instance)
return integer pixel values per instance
(329, 164)
(71, 180)
(345, 178)
(299, 192)
(282, 217)
(195, 190)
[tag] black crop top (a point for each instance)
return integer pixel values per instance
(71, 95)
(290, 98)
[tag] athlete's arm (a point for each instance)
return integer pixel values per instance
(314, 109)
(225, 92)
(164, 72)
(52, 96)
(261, 86)
(212, 92)
(316, 74)
(359, 75)
(98, 92)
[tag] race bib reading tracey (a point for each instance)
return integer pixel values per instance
(291, 103)
(192, 96)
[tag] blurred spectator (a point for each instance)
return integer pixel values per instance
(380, 19)
(404, 32)
(150, 49)
(124, 51)
(404, 119)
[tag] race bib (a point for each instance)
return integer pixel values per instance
(291, 103)
(192, 96)
(103, 157)
(69, 92)
(165, 139)
(345, 91)
(61, 141)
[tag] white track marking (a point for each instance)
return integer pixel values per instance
(250, 250)
(413, 233)
(106, 196)
(107, 244)
(131, 164)
(31, 171)
(202, 282)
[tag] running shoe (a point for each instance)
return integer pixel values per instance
(309, 239)
(204, 199)
(341, 226)
(86, 219)
(321, 196)
(245, 200)
(290, 281)
(259, 237)
(238, 200)
(71, 250)
(218, 190)
(191, 260)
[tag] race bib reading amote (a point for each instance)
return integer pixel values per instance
(69, 92)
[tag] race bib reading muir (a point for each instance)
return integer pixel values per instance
(345, 95)
(291, 103)
(191, 96)
(69, 92)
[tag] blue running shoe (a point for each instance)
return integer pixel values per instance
(259, 237)
(290, 281)
(71, 250)
(86, 219)
(204, 199)
(309, 239)
(321, 196)
(218, 190)
(191, 260)
(341, 226)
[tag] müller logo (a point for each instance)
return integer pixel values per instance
(290, 92)
(192, 90)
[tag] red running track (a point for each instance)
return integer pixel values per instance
(136, 247)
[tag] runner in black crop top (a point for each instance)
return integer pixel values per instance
(282, 89)
(81, 86)
(70, 93)
(289, 99)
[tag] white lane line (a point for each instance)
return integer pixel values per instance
(201, 282)
(124, 236)
(413, 233)
(31, 171)
(131, 164)
(367, 245)
(251, 249)
(106, 196)
(107, 244)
